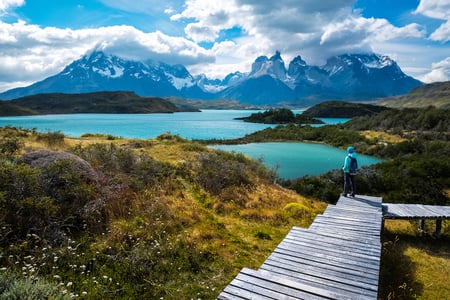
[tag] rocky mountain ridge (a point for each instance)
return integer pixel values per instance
(269, 82)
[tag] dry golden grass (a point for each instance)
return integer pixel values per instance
(382, 136)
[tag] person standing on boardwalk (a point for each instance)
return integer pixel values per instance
(349, 168)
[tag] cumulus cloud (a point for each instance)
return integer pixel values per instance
(440, 72)
(315, 30)
(30, 52)
(360, 33)
(8, 4)
(437, 9)
(442, 34)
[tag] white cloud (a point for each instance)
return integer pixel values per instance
(315, 30)
(442, 34)
(437, 9)
(440, 72)
(29, 52)
(8, 4)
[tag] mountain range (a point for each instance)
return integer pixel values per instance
(346, 77)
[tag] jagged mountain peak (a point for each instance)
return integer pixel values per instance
(346, 76)
(368, 60)
(276, 56)
(273, 67)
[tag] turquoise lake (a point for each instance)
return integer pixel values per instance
(291, 159)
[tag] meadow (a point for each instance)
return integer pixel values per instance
(168, 218)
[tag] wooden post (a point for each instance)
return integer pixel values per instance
(422, 225)
(438, 227)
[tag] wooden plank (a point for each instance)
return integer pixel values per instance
(351, 292)
(357, 224)
(360, 201)
(237, 293)
(328, 242)
(358, 205)
(364, 240)
(330, 259)
(373, 223)
(334, 283)
(347, 232)
(345, 215)
(326, 271)
(335, 241)
(292, 244)
(356, 210)
(283, 286)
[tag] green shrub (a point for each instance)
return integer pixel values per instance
(13, 287)
(10, 146)
(52, 139)
(219, 170)
(296, 210)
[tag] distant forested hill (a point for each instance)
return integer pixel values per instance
(120, 102)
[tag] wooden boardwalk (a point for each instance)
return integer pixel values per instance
(337, 257)
(417, 211)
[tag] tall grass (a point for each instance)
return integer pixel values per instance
(414, 264)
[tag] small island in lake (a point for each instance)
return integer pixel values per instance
(279, 116)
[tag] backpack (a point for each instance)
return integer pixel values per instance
(353, 165)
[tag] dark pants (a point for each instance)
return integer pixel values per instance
(349, 184)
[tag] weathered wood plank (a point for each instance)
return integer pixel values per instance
(329, 242)
(286, 287)
(330, 259)
(347, 232)
(359, 225)
(353, 217)
(373, 224)
(324, 248)
(353, 212)
(350, 238)
(321, 270)
(336, 241)
(337, 284)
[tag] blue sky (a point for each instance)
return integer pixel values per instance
(216, 37)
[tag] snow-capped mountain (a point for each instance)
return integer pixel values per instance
(97, 71)
(349, 77)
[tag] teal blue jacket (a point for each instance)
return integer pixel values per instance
(347, 161)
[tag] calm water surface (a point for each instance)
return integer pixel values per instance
(291, 159)
(191, 125)
(208, 124)
(294, 160)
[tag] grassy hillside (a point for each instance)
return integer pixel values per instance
(107, 218)
(434, 94)
(10, 109)
(99, 102)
